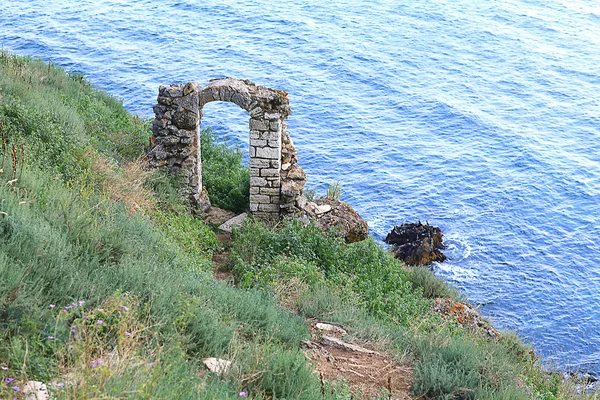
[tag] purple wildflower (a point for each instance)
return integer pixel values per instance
(60, 384)
(83, 330)
(73, 330)
(51, 306)
(81, 303)
(125, 308)
(99, 322)
(128, 334)
(243, 394)
(4, 368)
(16, 388)
(9, 380)
(51, 337)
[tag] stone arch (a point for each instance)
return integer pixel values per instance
(276, 179)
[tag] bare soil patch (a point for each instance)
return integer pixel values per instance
(369, 374)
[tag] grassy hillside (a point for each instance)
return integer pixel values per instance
(107, 288)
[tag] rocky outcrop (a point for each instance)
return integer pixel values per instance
(465, 315)
(416, 244)
(334, 215)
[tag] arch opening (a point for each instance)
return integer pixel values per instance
(225, 157)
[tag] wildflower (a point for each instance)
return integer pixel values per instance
(51, 306)
(83, 330)
(125, 308)
(9, 380)
(50, 337)
(99, 322)
(60, 384)
(128, 334)
(16, 388)
(4, 368)
(243, 394)
(68, 307)
(81, 303)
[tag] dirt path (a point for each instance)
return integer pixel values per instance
(369, 374)
(221, 258)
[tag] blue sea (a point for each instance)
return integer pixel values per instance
(480, 117)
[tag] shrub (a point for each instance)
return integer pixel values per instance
(226, 181)
(363, 271)
(432, 287)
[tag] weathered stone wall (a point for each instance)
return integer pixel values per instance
(276, 179)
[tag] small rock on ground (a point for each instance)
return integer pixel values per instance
(35, 390)
(235, 221)
(217, 365)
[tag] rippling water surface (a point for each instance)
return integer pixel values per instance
(480, 117)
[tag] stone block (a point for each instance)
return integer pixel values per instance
(256, 112)
(253, 207)
(264, 135)
(273, 182)
(187, 133)
(274, 143)
(255, 171)
(272, 116)
(167, 101)
(159, 109)
(255, 190)
(257, 124)
(268, 152)
(259, 198)
(269, 191)
(174, 91)
(167, 140)
(190, 87)
(258, 143)
(256, 181)
(269, 172)
(259, 163)
(240, 100)
(273, 208)
(275, 125)
(252, 152)
(185, 119)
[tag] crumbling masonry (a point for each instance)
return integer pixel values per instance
(276, 179)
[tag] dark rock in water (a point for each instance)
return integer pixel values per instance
(334, 214)
(416, 244)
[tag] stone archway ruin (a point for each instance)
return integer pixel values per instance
(276, 179)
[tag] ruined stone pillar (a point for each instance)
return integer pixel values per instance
(265, 164)
(176, 140)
